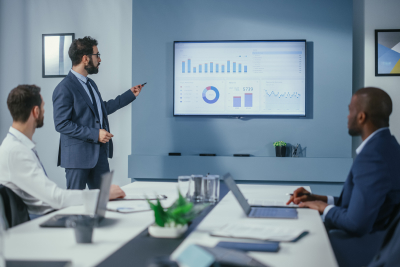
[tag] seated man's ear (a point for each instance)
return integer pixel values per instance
(36, 112)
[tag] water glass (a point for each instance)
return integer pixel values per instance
(184, 186)
(216, 192)
(197, 180)
(211, 188)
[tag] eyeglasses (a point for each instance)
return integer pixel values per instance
(97, 54)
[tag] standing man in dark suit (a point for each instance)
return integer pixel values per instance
(81, 117)
(372, 189)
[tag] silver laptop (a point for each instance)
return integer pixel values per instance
(258, 212)
(60, 219)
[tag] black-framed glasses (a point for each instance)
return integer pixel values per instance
(97, 54)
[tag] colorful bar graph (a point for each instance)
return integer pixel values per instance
(199, 68)
(194, 69)
(234, 66)
(189, 65)
(216, 68)
(248, 100)
(228, 66)
(183, 66)
(211, 67)
(222, 68)
(237, 101)
(205, 68)
(245, 68)
(240, 67)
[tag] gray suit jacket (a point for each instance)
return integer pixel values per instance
(75, 120)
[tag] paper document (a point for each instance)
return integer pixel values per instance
(258, 231)
(126, 207)
(142, 197)
(267, 203)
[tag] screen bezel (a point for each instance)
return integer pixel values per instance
(244, 115)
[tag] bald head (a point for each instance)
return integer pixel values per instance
(376, 104)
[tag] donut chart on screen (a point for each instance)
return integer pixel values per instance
(210, 101)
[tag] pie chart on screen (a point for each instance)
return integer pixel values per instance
(210, 95)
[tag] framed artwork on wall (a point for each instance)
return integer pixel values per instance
(55, 59)
(387, 52)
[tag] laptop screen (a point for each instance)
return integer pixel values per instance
(104, 194)
(236, 192)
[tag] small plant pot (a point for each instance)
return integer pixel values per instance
(280, 151)
(167, 232)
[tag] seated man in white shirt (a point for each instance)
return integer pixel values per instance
(20, 166)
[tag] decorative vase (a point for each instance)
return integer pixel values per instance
(168, 231)
(280, 151)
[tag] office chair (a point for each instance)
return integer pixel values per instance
(15, 209)
(352, 251)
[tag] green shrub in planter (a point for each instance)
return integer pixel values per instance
(180, 213)
(280, 148)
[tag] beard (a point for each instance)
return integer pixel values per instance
(91, 69)
(40, 121)
(354, 130)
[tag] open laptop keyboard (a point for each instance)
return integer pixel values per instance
(262, 212)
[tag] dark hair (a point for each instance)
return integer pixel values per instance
(22, 99)
(377, 105)
(80, 47)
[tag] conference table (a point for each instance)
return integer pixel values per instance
(122, 239)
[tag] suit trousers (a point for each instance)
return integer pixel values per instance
(78, 178)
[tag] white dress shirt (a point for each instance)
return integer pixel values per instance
(331, 202)
(22, 172)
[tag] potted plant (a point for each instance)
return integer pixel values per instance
(172, 222)
(280, 148)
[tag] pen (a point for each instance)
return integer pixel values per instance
(143, 84)
(300, 194)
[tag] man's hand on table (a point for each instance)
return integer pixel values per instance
(315, 205)
(116, 192)
(302, 195)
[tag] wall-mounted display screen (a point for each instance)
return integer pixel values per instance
(239, 78)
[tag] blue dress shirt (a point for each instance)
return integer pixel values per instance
(82, 79)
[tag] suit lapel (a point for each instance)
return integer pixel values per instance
(103, 107)
(82, 91)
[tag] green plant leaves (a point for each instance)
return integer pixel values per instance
(279, 143)
(181, 212)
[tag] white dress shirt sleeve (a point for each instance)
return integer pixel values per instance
(331, 202)
(27, 173)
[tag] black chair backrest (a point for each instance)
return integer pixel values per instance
(15, 209)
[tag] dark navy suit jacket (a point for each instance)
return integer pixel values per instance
(389, 254)
(371, 190)
(76, 121)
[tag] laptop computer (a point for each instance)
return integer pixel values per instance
(61, 219)
(258, 212)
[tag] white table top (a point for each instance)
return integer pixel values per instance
(312, 250)
(30, 242)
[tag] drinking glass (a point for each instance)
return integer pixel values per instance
(184, 186)
(211, 188)
(216, 191)
(197, 180)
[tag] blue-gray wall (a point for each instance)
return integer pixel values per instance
(327, 27)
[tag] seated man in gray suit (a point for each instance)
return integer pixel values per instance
(81, 117)
(20, 167)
